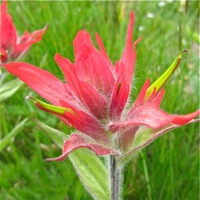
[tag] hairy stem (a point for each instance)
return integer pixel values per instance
(115, 179)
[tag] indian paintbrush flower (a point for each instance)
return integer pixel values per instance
(94, 99)
(12, 46)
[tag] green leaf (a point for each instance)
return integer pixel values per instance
(157, 85)
(92, 173)
(9, 88)
(7, 139)
(90, 169)
(57, 136)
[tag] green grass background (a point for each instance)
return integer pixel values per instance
(168, 169)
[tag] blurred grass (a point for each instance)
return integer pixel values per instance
(171, 162)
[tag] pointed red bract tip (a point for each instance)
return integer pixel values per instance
(132, 15)
(184, 119)
(4, 6)
(41, 81)
(78, 141)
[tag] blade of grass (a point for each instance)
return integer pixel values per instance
(7, 139)
(146, 174)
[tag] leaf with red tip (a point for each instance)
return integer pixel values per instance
(144, 136)
(183, 119)
(155, 118)
(77, 141)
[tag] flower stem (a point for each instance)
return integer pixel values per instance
(115, 179)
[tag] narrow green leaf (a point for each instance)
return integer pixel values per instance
(7, 139)
(9, 88)
(90, 169)
(165, 76)
(57, 136)
(92, 173)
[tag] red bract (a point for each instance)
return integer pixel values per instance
(13, 47)
(94, 99)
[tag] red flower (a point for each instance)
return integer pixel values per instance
(94, 99)
(13, 47)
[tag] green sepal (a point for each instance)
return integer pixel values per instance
(49, 107)
(157, 85)
(89, 167)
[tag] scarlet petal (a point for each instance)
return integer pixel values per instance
(85, 123)
(183, 119)
(7, 28)
(26, 41)
(91, 65)
(119, 98)
(41, 81)
(103, 50)
(148, 113)
(70, 74)
(127, 136)
(155, 118)
(94, 101)
(126, 64)
(153, 101)
(77, 141)
(86, 93)
(140, 99)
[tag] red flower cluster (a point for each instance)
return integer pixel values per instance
(94, 99)
(13, 47)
